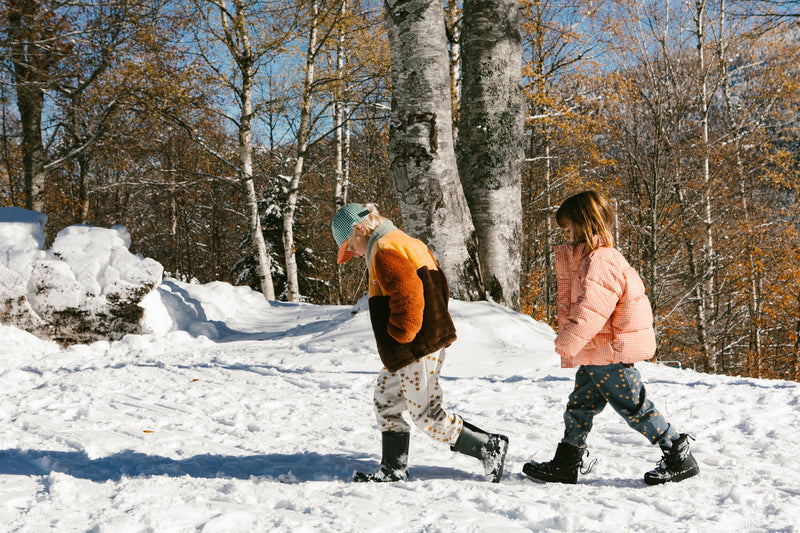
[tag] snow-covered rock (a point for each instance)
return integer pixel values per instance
(87, 287)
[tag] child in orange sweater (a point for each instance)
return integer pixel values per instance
(605, 325)
(408, 298)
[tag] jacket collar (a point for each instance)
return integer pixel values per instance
(383, 228)
(576, 251)
(571, 252)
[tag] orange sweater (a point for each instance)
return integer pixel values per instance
(408, 297)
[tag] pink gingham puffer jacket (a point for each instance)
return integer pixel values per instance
(604, 315)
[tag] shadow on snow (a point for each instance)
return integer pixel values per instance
(286, 468)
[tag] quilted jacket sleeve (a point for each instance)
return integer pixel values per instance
(601, 286)
(398, 278)
(563, 282)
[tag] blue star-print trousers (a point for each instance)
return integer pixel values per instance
(621, 386)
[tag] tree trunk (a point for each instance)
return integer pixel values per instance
(339, 124)
(696, 283)
(31, 64)
(700, 307)
(489, 149)
(259, 244)
(421, 154)
(82, 209)
(452, 24)
(244, 59)
(706, 290)
(33, 156)
(342, 138)
(303, 132)
(548, 230)
(246, 161)
(8, 165)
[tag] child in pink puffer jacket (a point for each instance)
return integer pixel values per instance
(605, 325)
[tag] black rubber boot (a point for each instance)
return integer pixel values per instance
(563, 468)
(489, 449)
(394, 463)
(677, 464)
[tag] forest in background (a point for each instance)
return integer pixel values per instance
(685, 113)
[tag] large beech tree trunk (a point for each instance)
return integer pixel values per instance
(421, 152)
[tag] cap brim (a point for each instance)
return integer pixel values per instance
(344, 254)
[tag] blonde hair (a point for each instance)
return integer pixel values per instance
(374, 219)
(591, 216)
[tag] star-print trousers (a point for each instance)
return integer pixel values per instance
(621, 386)
(415, 388)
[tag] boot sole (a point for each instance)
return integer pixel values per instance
(362, 477)
(686, 474)
(537, 475)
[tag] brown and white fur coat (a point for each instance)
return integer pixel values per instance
(408, 297)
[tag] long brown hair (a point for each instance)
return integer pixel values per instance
(591, 215)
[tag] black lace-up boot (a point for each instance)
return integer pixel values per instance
(677, 464)
(563, 468)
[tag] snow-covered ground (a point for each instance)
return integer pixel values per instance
(237, 415)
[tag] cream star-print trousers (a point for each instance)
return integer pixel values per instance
(415, 388)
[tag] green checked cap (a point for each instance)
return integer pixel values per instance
(345, 219)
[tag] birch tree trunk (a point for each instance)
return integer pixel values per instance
(490, 149)
(421, 154)
(452, 26)
(342, 135)
(548, 230)
(246, 162)
(237, 39)
(303, 132)
(341, 128)
(706, 291)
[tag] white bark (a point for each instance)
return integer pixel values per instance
(548, 229)
(341, 128)
(422, 157)
(453, 31)
(490, 151)
(303, 133)
(238, 43)
(706, 290)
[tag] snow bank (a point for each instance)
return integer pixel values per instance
(86, 287)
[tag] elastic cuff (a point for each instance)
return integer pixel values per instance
(668, 437)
